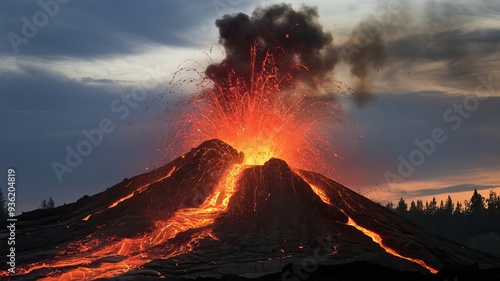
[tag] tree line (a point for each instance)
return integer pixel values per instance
(477, 205)
(46, 204)
(474, 223)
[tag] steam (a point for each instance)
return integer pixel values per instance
(292, 37)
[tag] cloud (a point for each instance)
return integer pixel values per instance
(392, 123)
(103, 81)
(84, 29)
(41, 113)
(447, 190)
(458, 56)
(447, 45)
(36, 89)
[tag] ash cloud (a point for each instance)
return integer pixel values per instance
(292, 37)
(364, 52)
(451, 36)
(445, 43)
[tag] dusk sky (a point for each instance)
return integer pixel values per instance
(69, 68)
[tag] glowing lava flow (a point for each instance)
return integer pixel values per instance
(373, 235)
(128, 196)
(321, 194)
(191, 218)
(134, 252)
(377, 239)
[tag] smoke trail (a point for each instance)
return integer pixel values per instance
(366, 52)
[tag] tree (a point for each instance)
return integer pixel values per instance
(493, 203)
(50, 204)
(432, 207)
(448, 206)
(476, 204)
(413, 207)
(389, 205)
(47, 204)
(43, 205)
(458, 209)
(3, 206)
(440, 210)
(420, 206)
(402, 206)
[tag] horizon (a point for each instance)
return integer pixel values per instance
(457, 192)
(98, 80)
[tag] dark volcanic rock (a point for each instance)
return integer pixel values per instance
(354, 271)
(193, 176)
(273, 200)
(274, 218)
(398, 233)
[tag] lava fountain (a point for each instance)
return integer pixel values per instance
(271, 96)
(263, 119)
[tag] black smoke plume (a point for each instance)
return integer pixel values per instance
(291, 37)
(301, 49)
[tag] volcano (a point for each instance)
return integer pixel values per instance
(206, 214)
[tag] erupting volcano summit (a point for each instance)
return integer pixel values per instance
(208, 214)
(244, 201)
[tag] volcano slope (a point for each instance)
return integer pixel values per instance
(205, 214)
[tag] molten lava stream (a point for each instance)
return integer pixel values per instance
(130, 195)
(373, 235)
(135, 250)
(377, 239)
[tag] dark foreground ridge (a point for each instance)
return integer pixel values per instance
(362, 271)
(276, 227)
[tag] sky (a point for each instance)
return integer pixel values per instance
(91, 75)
